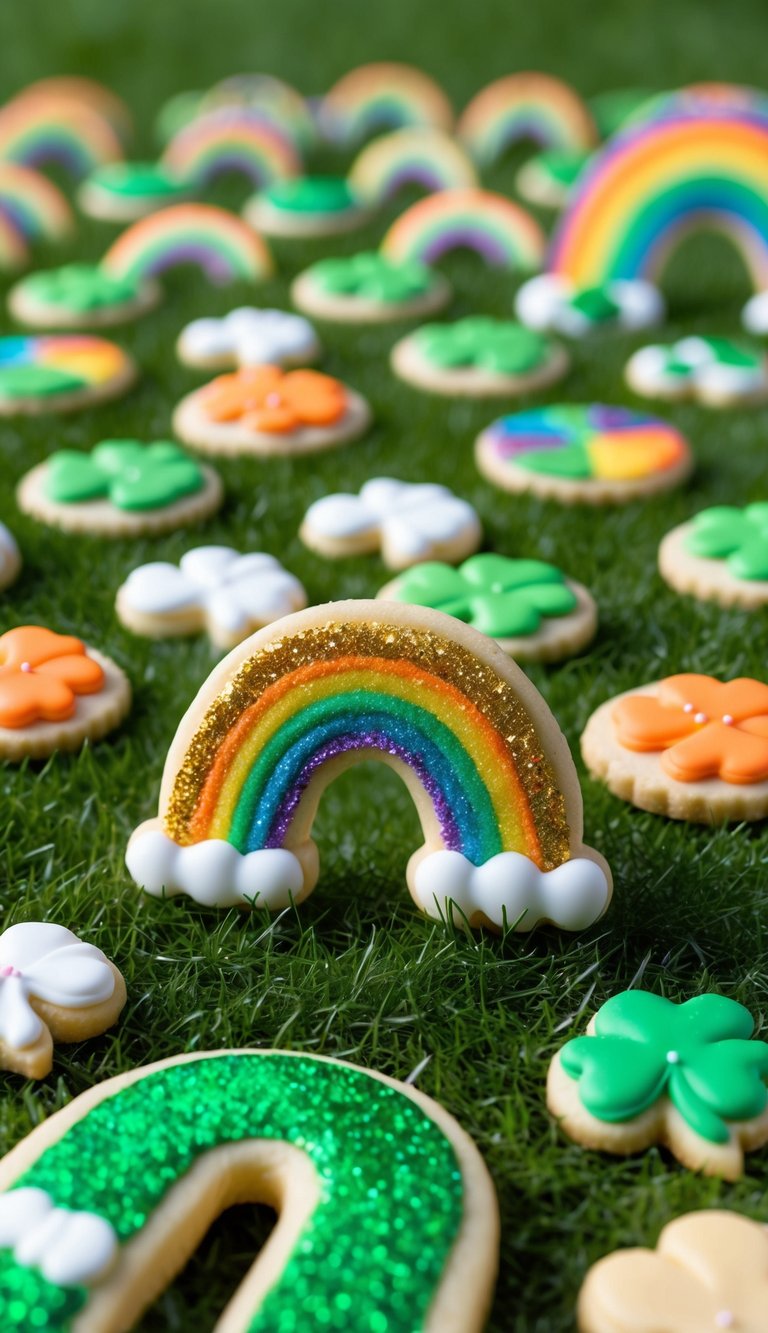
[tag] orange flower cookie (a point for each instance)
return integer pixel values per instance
(690, 747)
(55, 693)
(265, 410)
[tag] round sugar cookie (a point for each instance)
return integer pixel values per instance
(478, 357)
(369, 288)
(721, 555)
(126, 191)
(81, 296)
(306, 207)
(10, 558)
(716, 372)
(60, 373)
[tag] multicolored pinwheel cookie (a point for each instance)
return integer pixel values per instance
(721, 555)
(479, 357)
(369, 288)
(60, 372)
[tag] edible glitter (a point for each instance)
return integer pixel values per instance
(371, 1256)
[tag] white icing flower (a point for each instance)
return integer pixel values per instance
(249, 337)
(49, 963)
(231, 594)
(546, 303)
(713, 370)
(510, 889)
(69, 1248)
(408, 521)
(754, 316)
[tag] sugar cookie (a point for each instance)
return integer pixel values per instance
(60, 373)
(248, 337)
(80, 296)
(714, 371)
(368, 288)
(502, 232)
(120, 489)
(721, 556)
(426, 158)
(548, 178)
(311, 1137)
(125, 191)
(10, 558)
(263, 410)
(406, 523)
(492, 777)
(650, 1071)
(384, 95)
(478, 357)
(232, 140)
(526, 106)
(551, 303)
(214, 590)
(53, 987)
(690, 747)
(307, 206)
(532, 611)
(55, 693)
(583, 454)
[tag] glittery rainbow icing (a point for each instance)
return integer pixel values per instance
(38, 132)
(223, 245)
(501, 231)
(424, 157)
(657, 180)
(382, 96)
(526, 106)
(32, 203)
(232, 139)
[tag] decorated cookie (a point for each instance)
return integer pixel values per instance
(124, 191)
(583, 454)
(214, 590)
(80, 296)
(55, 693)
(369, 289)
(221, 244)
(248, 337)
(120, 489)
(384, 95)
(406, 523)
(548, 178)
(532, 611)
(60, 373)
(689, 747)
(10, 558)
(53, 987)
(263, 410)
(491, 774)
(650, 1071)
(232, 140)
(713, 371)
(365, 1172)
(708, 1272)
(721, 556)
(496, 228)
(523, 107)
(307, 206)
(551, 303)
(478, 357)
(426, 158)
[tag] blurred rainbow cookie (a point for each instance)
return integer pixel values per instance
(125, 191)
(478, 357)
(60, 373)
(56, 130)
(589, 454)
(529, 607)
(248, 336)
(264, 410)
(120, 489)
(369, 288)
(527, 107)
(239, 140)
(77, 93)
(55, 693)
(307, 206)
(690, 747)
(384, 95)
(494, 227)
(425, 158)
(721, 555)
(10, 558)
(714, 371)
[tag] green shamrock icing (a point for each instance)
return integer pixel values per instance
(79, 287)
(373, 277)
(312, 194)
(137, 180)
(685, 358)
(698, 1054)
(595, 304)
(503, 598)
(487, 344)
(129, 474)
(38, 381)
(738, 536)
(561, 165)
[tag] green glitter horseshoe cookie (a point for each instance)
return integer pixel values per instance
(387, 1216)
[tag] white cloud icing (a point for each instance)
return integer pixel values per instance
(544, 303)
(511, 888)
(49, 962)
(69, 1248)
(213, 872)
(408, 520)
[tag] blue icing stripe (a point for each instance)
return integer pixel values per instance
(17, 351)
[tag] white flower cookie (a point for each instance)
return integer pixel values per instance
(10, 558)
(714, 371)
(247, 337)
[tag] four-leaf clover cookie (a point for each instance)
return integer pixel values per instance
(369, 288)
(713, 371)
(720, 555)
(478, 357)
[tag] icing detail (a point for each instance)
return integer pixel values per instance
(549, 302)
(37, 132)
(130, 475)
(754, 316)
(380, 96)
(408, 520)
(69, 1248)
(49, 963)
(41, 674)
(232, 139)
(501, 597)
(33, 204)
(312, 194)
(495, 345)
(623, 1069)
(225, 247)
(703, 368)
(525, 106)
(697, 743)
(495, 227)
(267, 400)
(251, 337)
(214, 872)
(422, 157)
(738, 536)
(510, 891)
(373, 277)
(80, 287)
(57, 363)
(137, 180)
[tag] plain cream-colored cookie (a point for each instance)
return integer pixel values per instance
(708, 579)
(309, 295)
(102, 518)
(410, 364)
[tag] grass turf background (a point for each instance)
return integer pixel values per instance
(356, 972)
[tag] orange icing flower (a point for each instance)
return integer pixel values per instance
(265, 398)
(705, 728)
(40, 675)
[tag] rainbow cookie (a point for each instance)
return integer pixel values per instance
(236, 140)
(494, 227)
(247, 337)
(55, 693)
(478, 357)
(690, 747)
(274, 100)
(81, 93)
(306, 207)
(14, 250)
(429, 159)
(721, 555)
(10, 558)
(31, 202)
(41, 132)
(716, 372)
(387, 1215)
(224, 247)
(60, 373)
(530, 107)
(583, 454)
(299, 702)
(369, 288)
(125, 191)
(382, 96)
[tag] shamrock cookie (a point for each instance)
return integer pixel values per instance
(307, 206)
(689, 747)
(125, 191)
(369, 288)
(214, 590)
(55, 693)
(583, 455)
(248, 337)
(708, 1272)
(712, 371)
(81, 296)
(549, 302)
(547, 178)
(263, 410)
(650, 1071)
(532, 611)
(10, 558)
(405, 523)
(53, 987)
(120, 489)
(478, 358)
(60, 373)
(720, 556)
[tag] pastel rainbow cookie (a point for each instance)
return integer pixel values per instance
(382, 96)
(273, 98)
(232, 140)
(299, 702)
(80, 93)
(37, 133)
(14, 251)
(33, 204)
(590, 454)
(527, 106)
(428, 158)
(494, 227)
(60, 372)
(387, 1215)
(224, 247)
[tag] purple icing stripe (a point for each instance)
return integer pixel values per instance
(492, 249)
(218, 268)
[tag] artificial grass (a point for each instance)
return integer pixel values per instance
(356, 972)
